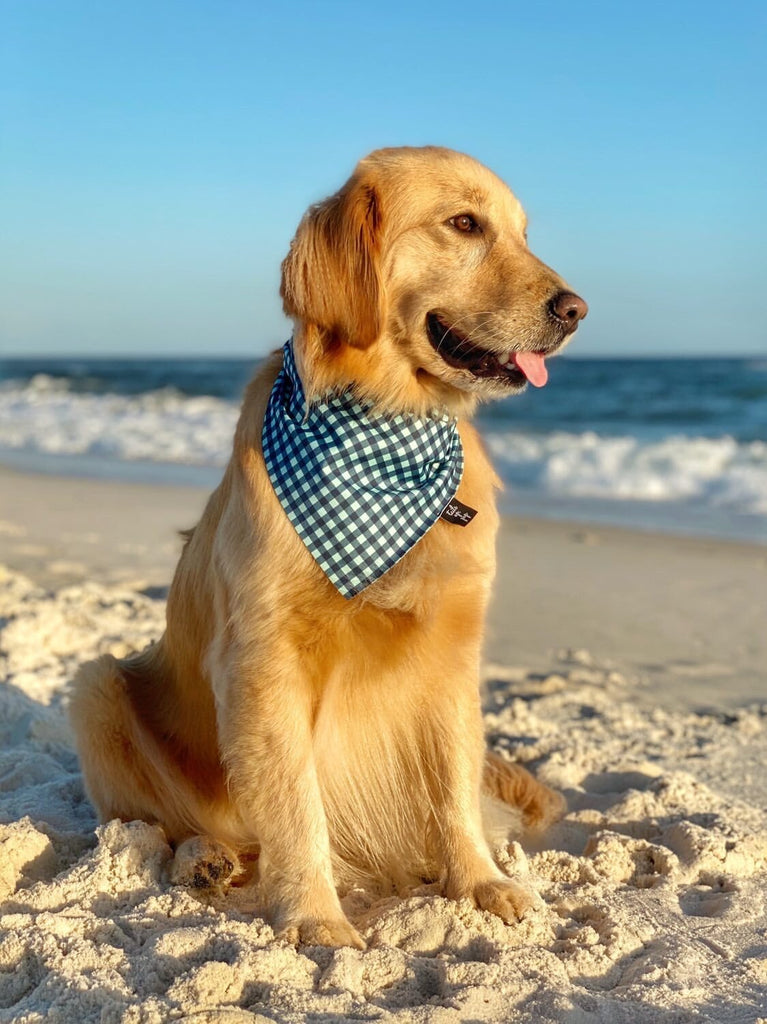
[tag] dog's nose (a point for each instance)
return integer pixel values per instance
(569, 308)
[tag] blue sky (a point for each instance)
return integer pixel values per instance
(155, 158)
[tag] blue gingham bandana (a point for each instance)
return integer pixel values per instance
(360, 489)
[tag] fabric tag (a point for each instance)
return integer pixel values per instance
(458, 513)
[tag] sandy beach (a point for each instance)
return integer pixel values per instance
(626, 668)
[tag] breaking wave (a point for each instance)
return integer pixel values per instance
(45, 415)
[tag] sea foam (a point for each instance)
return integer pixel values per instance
(43, 415)
(719, 471)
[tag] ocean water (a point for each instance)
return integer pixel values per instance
(671, 444)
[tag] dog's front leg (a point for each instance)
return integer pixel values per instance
(266, 734)
(457, 755)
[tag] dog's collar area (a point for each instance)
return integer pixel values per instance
(360, 489)
(463, 354)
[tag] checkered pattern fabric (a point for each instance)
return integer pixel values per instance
(360, 489)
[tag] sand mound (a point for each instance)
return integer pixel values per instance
(652, 887)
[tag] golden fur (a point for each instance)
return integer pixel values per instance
(340, 740)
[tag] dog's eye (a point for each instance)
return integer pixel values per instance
(465, 222)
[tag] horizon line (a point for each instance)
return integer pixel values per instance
(239, 357)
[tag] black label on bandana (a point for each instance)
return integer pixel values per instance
(458, 513)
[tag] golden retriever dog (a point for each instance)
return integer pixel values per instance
(320, 739)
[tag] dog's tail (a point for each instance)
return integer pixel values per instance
(537, 804)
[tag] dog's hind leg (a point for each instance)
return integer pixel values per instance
(128, 774)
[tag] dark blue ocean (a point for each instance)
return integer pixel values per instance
(676, 444)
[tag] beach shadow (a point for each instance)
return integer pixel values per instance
(608, 995)
(616, 783)
(40, 782)
(499, 693)
(19, 979)
(24, 719)
(20, 993)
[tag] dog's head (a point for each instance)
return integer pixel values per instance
(415, 285)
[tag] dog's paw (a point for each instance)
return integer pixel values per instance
(545, 806)
(317, 932)
(506, 899)
(514, 785)
(202, 863)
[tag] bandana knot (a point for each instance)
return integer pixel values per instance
(359, 488)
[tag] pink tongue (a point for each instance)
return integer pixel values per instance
(533, 366)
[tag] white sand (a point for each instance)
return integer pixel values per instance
(652, 889)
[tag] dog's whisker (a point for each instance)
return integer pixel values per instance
(454, 324)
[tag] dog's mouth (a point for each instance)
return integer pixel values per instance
(463, 354)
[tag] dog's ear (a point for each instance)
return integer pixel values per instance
(331, 276)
